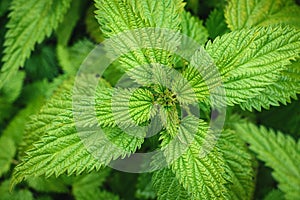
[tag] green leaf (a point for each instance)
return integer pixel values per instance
(4, 4)
(93, 180)
(51, 184)
(87, 186)
(276, 118)
(42, 64)
(34, 95)
(140, 14)
(199, 167)
(59, 146)
(244, 14)
(92, 26)
(65, 29)
(215, 23)
(278, 151)
(7, 110)
(194, 35)
(6, 194)
(202, 75)
(26, 30)
(249, 61)
(144, 188)
(124, 107)
(240, 169)
(8, 151)
(167, 186)
(193, 28)
(12, 90)
(141, 105)
(71, 58)
(274, 195)
(286, 88)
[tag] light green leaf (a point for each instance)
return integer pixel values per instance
(199, 166)
(249, 61)
(240, 169)
(278, 151)
(12, 90)
(202, 75)
(124, 107)
(193, 28)
(65, 29)
(140, 14)
(170, 119)
(59, 146)
(245, 13)
(8, 151)
(286, 88)
(26, 30)
(167, 186)
(141, 105)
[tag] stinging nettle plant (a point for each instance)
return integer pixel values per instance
(61, 141)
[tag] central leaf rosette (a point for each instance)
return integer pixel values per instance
(164, 85)
(167, 95)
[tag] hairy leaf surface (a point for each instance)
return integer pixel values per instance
(167, 186)
(60, 146)
(138, 45)
(240, 169)
(199, 167)
(278, 151)
(245, 13)
(251, 60)
(286, 88)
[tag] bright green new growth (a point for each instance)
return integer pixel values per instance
(257, 65)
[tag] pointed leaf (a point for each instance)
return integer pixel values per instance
(59, 146)
(278, 151)
(27, 28)
(199, 167)
(245, 13)
(249, 61)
